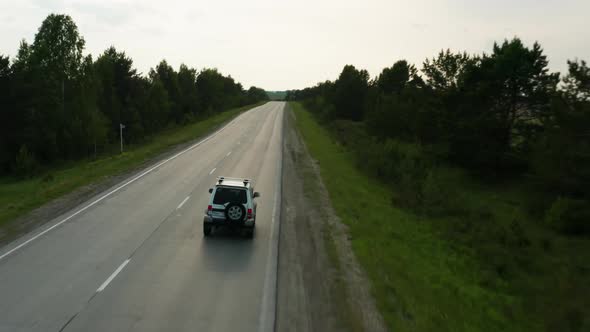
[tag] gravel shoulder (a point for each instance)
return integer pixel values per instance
(320, 284)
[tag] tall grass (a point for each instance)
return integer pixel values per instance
(446, 252)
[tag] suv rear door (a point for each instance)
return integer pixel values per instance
(223, 196)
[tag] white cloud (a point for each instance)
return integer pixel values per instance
(280, 44)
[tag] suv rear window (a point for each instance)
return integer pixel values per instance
(230, 195)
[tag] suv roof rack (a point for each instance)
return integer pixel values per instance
(220, 179)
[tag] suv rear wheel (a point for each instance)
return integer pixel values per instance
(206, 229)
(235, 212)
(249, 232)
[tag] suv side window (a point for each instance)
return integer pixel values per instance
(230, 195)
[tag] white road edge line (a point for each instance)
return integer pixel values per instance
(108, 281)
(227, 155)
(266, 323)
(119, 188)
(182, 203)
(213, 170)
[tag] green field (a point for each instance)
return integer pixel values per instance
(493, 268)
(276, 95)
(18, 197)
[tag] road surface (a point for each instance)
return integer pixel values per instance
(134, 257)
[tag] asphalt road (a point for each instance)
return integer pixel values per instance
(134, 257)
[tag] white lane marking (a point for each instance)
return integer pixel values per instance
(118, 188)
(213, 170)
(108, 281)
(266, 320)
(227, 155)
(182, 203)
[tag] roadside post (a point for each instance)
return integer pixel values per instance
(121, 126)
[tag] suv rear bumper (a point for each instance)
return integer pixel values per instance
(223, 222)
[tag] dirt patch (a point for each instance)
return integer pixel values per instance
(320, 284)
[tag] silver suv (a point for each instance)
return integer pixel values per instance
(232, 205)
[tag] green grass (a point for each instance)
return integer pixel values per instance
(503, 273)
(349, 320)
(18, 197)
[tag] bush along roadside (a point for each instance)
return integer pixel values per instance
(445, 250)
(501, 117)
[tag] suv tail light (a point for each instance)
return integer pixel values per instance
(209, 209)
(249, 213)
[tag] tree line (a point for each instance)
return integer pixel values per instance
(58, 104)
(500, 116)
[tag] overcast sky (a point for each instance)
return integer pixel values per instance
(287, 44)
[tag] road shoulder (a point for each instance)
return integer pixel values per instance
(321, 287)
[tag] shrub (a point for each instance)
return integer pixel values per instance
(561, 158)
(351, 134)
(410, 171)
(324, 111)
(439, 193)
(25, 163)
(417, 182)
(404, 166)
(569, 216)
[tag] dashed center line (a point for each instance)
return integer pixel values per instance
(108, 281)
(182, 203)
(213, 170)
(23, 244)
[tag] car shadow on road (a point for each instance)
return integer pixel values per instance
(226, 250)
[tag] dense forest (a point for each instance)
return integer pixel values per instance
(501, 117)
(56, 103)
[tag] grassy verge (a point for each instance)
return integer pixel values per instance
(348, 318)
(493, 269)
(18, 197)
